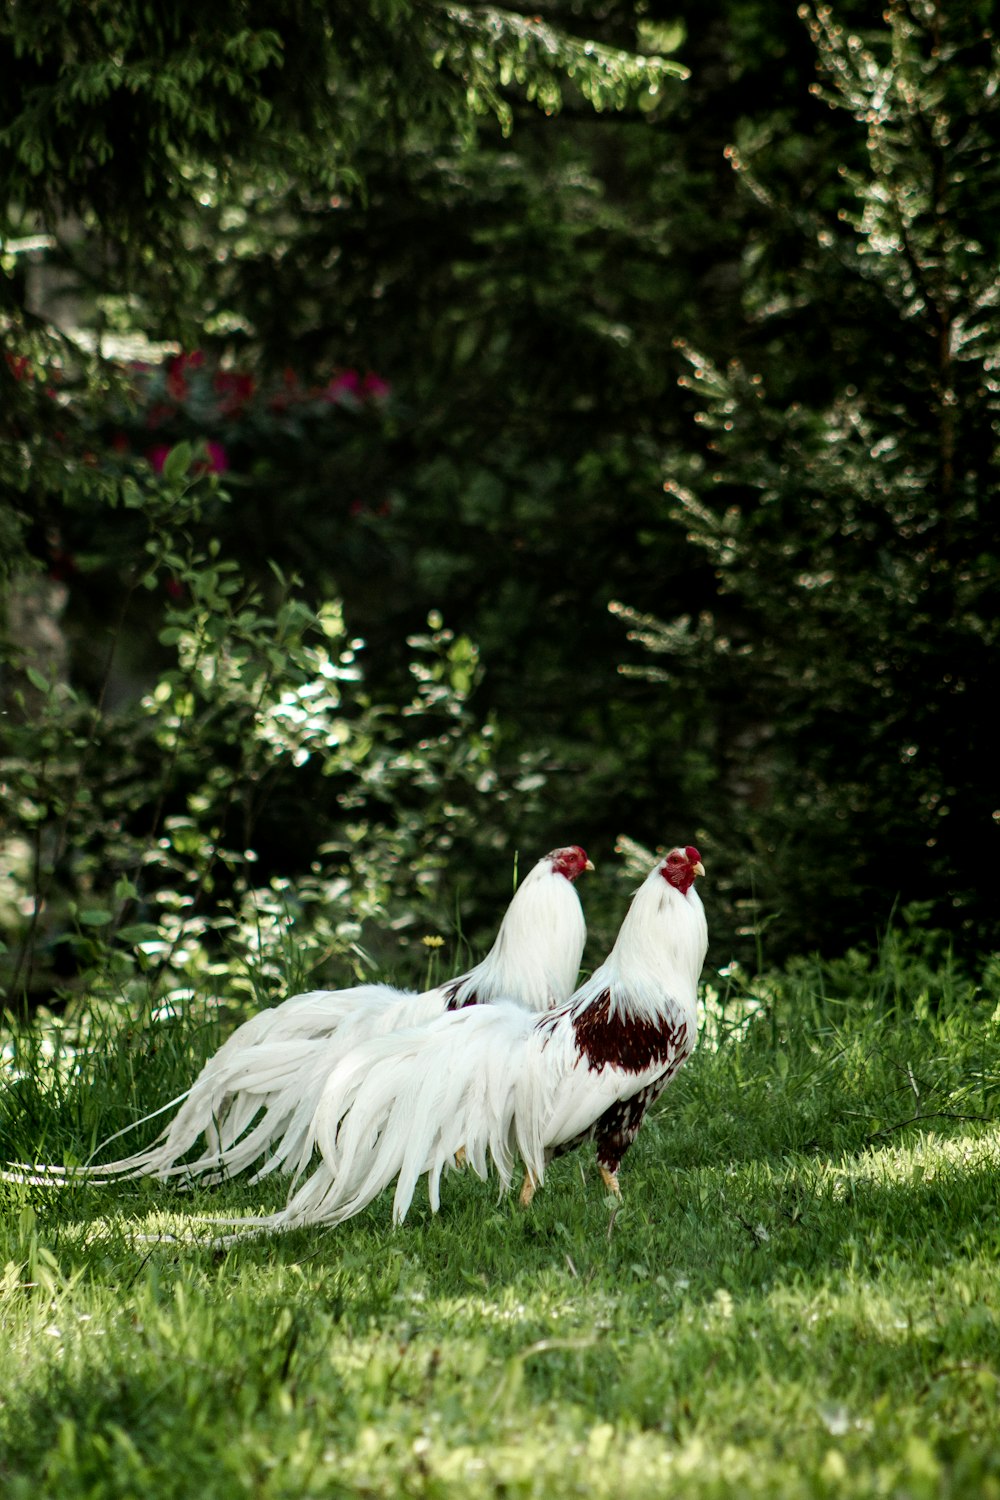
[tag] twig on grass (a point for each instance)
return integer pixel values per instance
(931, 1114)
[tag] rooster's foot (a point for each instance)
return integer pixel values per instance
(527, 1190)
(610, 1180)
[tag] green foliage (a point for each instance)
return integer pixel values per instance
(249, 131)
(797, 1295)
(516, 475)
(494, 49)
(820, 580)
(110, 109)
(849, 517)
(135, 830)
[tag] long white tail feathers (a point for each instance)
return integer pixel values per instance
(404, 1106)
(399, 1106)
(276, 1096)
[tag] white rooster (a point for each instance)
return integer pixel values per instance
(488, 1083)
(255, 1099)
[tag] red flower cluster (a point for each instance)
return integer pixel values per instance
(20, 366)
(187, 396)
(177, 373)
(349, 383)
(234, 391)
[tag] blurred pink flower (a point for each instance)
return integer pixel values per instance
(234, 390)
(177, 372)
(218, 458)
(374, 387)
(346, 383)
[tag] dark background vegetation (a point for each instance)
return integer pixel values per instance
(645, 430)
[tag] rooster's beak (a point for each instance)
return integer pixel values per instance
(698, 869)
(589, 865)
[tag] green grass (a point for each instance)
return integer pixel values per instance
(799, 1295)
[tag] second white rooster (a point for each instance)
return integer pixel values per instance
(255, 1100)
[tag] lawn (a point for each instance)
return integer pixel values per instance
(798, 1295)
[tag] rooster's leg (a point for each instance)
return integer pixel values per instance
(527, 1190)
(460, 1157)
(610, 1180)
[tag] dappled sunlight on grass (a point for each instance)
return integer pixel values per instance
(798, 1293)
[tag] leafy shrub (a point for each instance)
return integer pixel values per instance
(149, 828)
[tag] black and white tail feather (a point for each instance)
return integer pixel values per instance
(255, 1100)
